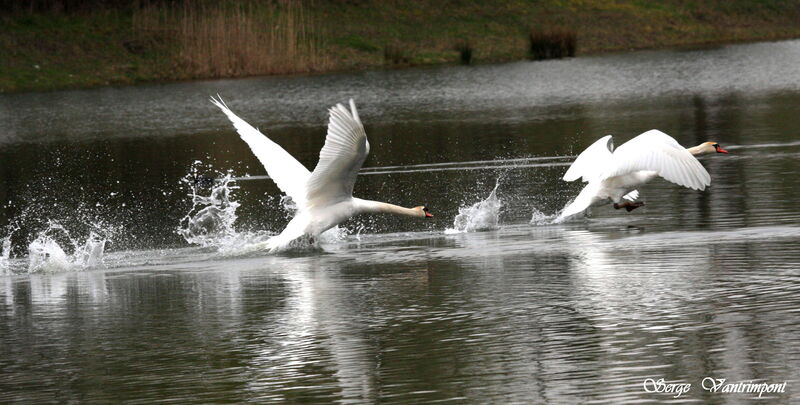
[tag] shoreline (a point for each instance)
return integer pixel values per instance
(158, 82)
(46, 52)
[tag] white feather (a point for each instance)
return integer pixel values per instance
(586, 164)
(346, 147)
(658, 152)
(287, 173)
(632, 196)
(325, 196)
(614, 176)
(583, 201)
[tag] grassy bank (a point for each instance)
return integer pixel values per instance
(52, 49)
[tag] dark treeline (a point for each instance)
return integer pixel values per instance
(78, 6)
(73, 6)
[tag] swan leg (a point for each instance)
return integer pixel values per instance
(628, 205)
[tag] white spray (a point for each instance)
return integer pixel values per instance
(210, 220)
(540, 218)
(481, 216)
(5, 253)
(46, 253)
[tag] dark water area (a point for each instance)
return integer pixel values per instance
(692, 285)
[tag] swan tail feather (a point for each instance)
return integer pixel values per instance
(632, 196)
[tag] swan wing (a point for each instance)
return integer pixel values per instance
(590, 162)
(584, 200)
(658, 152)
(346, 147)
(287, 173)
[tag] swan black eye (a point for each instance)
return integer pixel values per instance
(716, 145)
(425, 209)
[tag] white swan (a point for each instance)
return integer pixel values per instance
(614, 175)
(324, 197)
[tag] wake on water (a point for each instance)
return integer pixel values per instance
(484, 215)
(210, 221)
(210, 224)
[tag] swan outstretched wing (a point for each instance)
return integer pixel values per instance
(346, 147)
(287, 173)
(658, 152)
(590, 162)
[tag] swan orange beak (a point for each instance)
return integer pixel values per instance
(428, 214)
(720, 150)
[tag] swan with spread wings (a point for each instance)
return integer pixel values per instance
(324, 197)
(613, 175)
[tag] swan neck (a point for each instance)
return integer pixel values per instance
(369, 206)
(698, 150)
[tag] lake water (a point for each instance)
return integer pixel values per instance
(102, 299)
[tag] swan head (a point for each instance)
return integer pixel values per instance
(424, 212)
(717, 148)
(707, 147)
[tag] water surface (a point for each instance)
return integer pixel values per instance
(693, 285)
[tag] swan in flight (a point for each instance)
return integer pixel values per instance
(324, 197)
(614, 175)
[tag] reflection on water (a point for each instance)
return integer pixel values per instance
(693, 285)
(578, 315)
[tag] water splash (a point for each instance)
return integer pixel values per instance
(91, 253)
(5, 253)
(54, 249)
(481, 216)
(211, 220)
(289, 206)
(45, 255)
(540, 218)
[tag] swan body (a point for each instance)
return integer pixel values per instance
(614, 175)
(324, 197)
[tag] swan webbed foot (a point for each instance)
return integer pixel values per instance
(629, 206)
(633, 205)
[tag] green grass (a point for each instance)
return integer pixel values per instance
(358, 43)
(100, 48)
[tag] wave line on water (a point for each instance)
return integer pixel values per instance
(496, 164)
(764, 145)
(469, 168)
(470, 162)
(435, 167)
